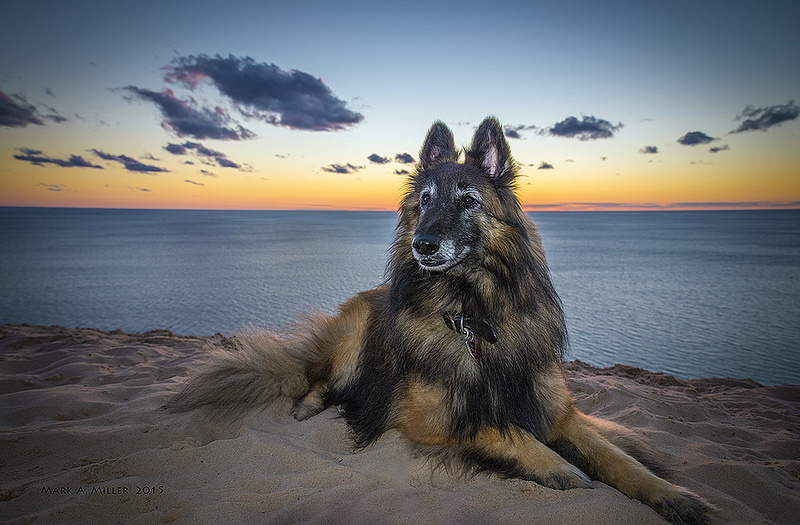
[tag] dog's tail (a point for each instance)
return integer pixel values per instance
(257, 367)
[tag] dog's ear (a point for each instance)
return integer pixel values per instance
(439, 146)
(490, 151)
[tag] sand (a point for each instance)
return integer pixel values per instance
(84, 440)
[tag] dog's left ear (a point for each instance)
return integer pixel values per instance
(491, 153)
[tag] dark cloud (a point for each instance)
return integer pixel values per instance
(186, 119)
(129, 163)
(545, 166)
(649, 150)
(220, 158)
(52, 187)
(377, 159)
(17, 114)
(208, 173)
(513, 132)
(693, 138)
(38, 158)
(291, 98)
(54, 116)
(764, 118)
(404, 158)
(175, 149)
(193, 182)
(587, 128)
(401, 172)
(342, 168)
(719, 148)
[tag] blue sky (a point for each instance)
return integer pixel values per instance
(651, 71)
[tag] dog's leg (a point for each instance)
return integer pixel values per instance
(518, 454)
(338, 348)
(422, 418)
(609, 464)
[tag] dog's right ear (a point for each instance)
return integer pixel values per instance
(439, 146)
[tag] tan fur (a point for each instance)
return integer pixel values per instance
(421, 416)
(338, 347)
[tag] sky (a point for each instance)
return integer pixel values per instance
(324, 105)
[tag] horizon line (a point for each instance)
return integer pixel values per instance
(563, 207)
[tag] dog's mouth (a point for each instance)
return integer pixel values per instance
(433, 265)
(441, 260)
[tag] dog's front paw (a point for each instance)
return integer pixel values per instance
(683, 507)
(564, 476)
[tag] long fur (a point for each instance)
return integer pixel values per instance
(463, 247)
(257, 367)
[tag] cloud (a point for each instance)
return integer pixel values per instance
(719, 148)
(545, 166)
(193, 182)
(208, 173)
(401, 172)
(38, 158)
(52, 187)
(377, 159)
(291, 98)
(588, 128)
(176, 149)
(218, 156)
(186, 119)
(649, 150)
(404, 158)
(17, 114)
(129, 163)
(693, 138)
(340, 168)
(764, 118)
(513, 132)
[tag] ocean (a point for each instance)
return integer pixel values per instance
(692, 294)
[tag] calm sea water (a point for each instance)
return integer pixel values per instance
(694, 294)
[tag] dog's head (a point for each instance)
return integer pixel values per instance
(454, 206)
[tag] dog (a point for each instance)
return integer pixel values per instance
(460, 349)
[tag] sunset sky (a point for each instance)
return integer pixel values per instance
(319, 105)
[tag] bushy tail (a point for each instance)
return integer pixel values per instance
(259, 366)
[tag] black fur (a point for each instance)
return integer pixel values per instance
(499, 391)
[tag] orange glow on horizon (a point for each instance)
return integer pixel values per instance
(376, 189)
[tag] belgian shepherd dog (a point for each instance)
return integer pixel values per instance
(460, 350)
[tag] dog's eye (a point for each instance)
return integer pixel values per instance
(424, 199)
(469, 202)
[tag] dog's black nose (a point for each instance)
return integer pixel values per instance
(426, 244)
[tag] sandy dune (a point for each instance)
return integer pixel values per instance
(84, 441)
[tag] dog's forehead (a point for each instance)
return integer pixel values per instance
(455, 175)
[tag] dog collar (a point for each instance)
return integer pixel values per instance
(469, 327)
